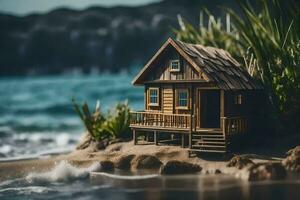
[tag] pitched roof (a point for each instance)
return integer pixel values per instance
(217, 65)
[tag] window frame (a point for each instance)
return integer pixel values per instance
(149, 96)
(178, 100)
(239, 99)
(174, 69)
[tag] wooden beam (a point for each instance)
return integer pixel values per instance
(199, 109)
(134, 136)
(182, 140)
(156, 137)
(190, 140)
(191, 132)
(145, 98)
(222, 103)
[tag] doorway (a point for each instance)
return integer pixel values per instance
(209, 108)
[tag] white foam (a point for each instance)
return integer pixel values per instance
(62, 172)
(59, 139)
(27, 190)
(25, 146)
(123, 177)
(6, 149)
(63, 139)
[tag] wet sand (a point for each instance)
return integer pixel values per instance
(84, 158)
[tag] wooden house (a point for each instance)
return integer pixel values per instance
(199, 93)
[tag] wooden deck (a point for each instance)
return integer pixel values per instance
(200, 139)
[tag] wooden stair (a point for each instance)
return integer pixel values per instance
(208, 142)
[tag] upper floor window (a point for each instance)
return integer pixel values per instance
(174, 66)
(238, 100)
(182, 98)
(153, 96)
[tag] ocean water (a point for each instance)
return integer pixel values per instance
(36, 113)
(68, 182)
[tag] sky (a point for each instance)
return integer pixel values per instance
(24, 7)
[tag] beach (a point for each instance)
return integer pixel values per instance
(88, 173)
(114, 152)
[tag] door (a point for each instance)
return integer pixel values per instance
(209, 108)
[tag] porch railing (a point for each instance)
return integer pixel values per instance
(234, 125)
(229, 125)
(160, 120)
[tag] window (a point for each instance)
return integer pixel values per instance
(238, 100)
(153, 96)
(174, 66)
(182, 99)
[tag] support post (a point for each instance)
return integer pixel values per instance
(134, 136)
(192, 115)
(156, 137)
(224, 127)
(182, 140)
(222, 107)
(191, 132)
(147, 136)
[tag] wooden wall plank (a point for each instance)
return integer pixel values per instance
(167, 99)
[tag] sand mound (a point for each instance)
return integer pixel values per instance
(179, 167)
(146, 162)
(292, 161)
(124, 162)
(266, 171)
(239, 162)
(107, 165)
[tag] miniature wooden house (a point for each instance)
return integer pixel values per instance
(200, 93)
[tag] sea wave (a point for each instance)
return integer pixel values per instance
(26, 190)
(125, 177)
(63, 172)
(36, 145)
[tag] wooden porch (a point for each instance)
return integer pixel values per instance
(199, 139)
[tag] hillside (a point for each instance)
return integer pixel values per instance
(106, 39)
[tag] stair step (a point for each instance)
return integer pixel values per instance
(208, 138)
(209, 142)
(202, 135)
(210, 146)
(209, 130)
(208, 133)
(212, 140)
(205, 150)
(215, 137)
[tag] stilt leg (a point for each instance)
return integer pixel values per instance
(182, 140)
(147, 137)
(157, 137)
(134, 136)
(190, 140)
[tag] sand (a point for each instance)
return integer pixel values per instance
(84, 158)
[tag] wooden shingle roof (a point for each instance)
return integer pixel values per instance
(217, 65)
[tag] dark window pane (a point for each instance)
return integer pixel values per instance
(183, 98)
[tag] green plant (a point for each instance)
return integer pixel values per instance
(118, 121)
(266, 38)
(213, 34)
(114, 125)
(273, 40)
(93, 121)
